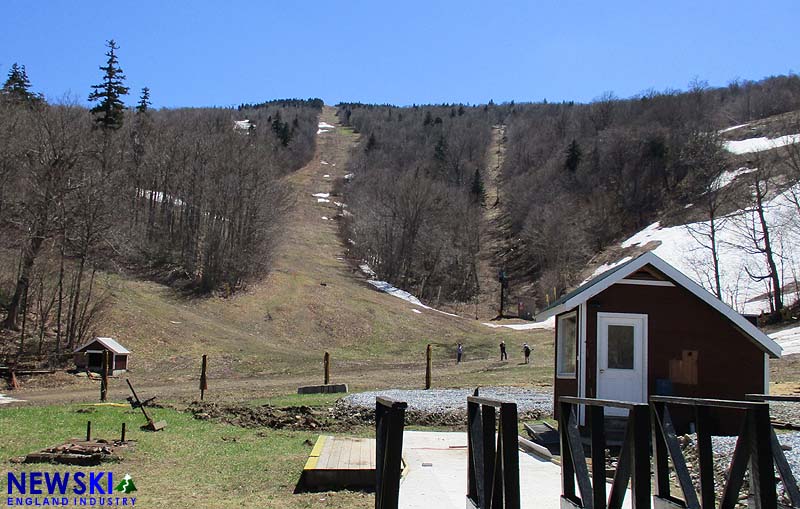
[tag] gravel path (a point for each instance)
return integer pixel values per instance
(723, 448)
(446, 406)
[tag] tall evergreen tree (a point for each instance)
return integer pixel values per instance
(440, 151)
(17, 86)
(281, 130)
(110, 110)
(144, 101)
(478, 190)
(573, 157)
(371, 143)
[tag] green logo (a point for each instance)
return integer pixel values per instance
(126, 485)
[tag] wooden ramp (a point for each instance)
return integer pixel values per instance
(338, 463)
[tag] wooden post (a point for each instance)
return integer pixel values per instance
(428, 367)
(13, 384)
(104, 381)
(327, 364)
(122, 437)
(203, 379)
(88, 430)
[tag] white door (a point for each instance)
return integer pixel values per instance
(621, 358)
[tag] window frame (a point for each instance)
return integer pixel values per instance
(560, 373)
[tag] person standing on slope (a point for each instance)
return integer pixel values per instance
(503, 354)
(459, 353)
(527, 351)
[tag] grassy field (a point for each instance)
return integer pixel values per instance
(262, 344)
(314, 300)
(192, 463)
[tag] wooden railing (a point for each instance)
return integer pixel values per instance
(633, 464)
(785, 472)
(493, 465)
(757, 449)
(389, 424)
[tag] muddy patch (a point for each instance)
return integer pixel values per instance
(265, 416)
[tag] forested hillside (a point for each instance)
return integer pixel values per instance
(190, 197)
(415, 196)
(576, 178)
(579, 177)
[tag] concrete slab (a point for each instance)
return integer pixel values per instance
(437, 474)
(322, 389)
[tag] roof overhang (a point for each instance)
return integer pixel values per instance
(761, 340)
(109, 343)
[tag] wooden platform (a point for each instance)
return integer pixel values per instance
(337, 463)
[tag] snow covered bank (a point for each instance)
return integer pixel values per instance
(549, 324)
(789, 339)
(324, 127)
(396, 292)
(760, 144)
(733, 128)
(677, 246)
(729, 176)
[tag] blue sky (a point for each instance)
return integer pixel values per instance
(202, 53)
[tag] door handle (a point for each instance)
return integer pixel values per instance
(602, 370)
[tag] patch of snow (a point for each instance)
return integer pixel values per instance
(549, 324)
(606, 267)
(789, 339)
(677, 247)
(321, 195)
(404, 295)
(365, 268)
(325, 218)
(395, 292)
(325, 125)
(323, 200)
(688, 205)
(321, 131)
(729, 176)
(158, 196)
(339, 204)
(349, 176)
(417, 311)
(733, 128)
(323, 162)
(4, 400)
(760, 144)
(326, 176)
(243, 125)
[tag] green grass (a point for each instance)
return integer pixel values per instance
(191, 463)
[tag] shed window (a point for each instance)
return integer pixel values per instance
(567, 343)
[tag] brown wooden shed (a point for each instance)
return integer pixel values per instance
(90, 356)
(644, 328)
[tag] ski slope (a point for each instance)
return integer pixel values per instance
(737, 255)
